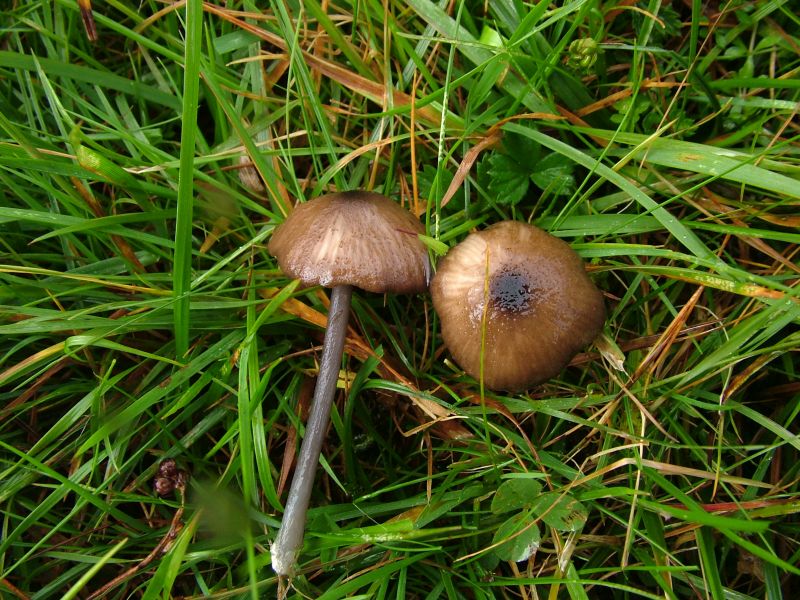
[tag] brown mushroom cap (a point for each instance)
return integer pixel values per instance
(531, 290)
(361, 239)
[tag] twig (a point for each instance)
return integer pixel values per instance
(174, 528)
(13, 589)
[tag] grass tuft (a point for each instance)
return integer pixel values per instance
(142, 320)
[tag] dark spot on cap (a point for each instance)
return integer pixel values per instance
(511, 291)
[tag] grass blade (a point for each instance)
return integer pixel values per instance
(182, 272)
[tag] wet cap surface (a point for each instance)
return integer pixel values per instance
(361, 239)
(539, 306)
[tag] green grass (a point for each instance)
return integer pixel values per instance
(142, 318)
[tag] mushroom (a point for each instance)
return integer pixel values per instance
(341, 240)
(515, 305)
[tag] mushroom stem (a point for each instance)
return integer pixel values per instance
(289, 541)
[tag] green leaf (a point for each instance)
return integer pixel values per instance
(431, 189)
(731, 165)
(505, 179)
(560, 511)
(438, 248)
(182, 272)
(709, 551)
(490, 37)
(105, 79)
(86, 577)
(522, 149)
(518, 538)
(171, 565)
(468, 45)
(100, 165)
(686, 237)
(514, 494)
(554, 174)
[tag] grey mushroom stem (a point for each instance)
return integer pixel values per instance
(289, 541)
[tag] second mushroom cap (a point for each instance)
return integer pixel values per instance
(520, 297)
